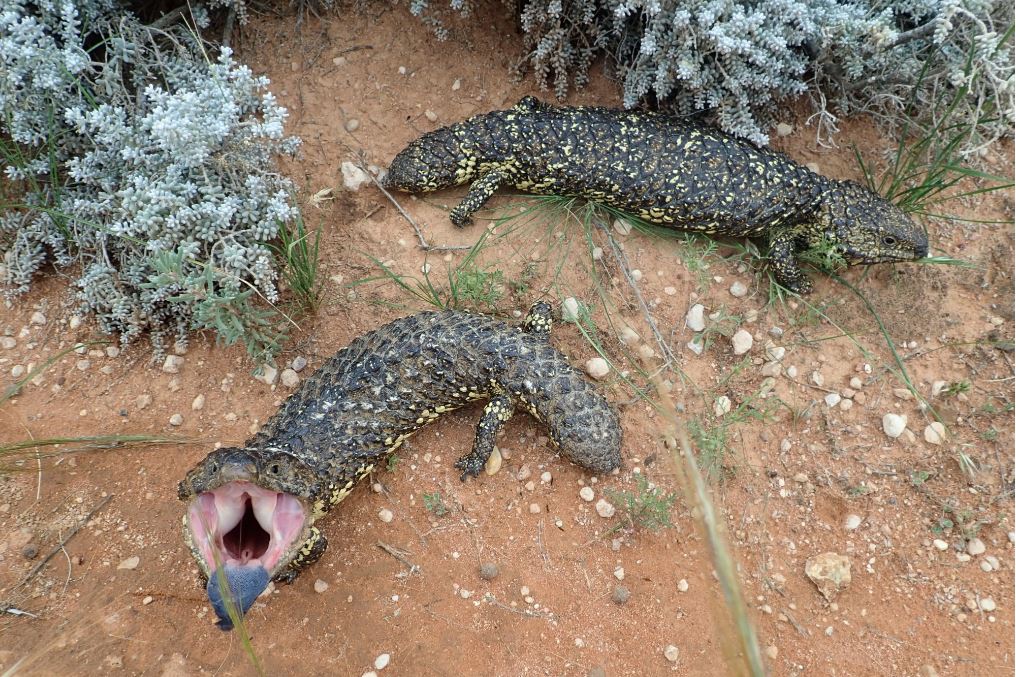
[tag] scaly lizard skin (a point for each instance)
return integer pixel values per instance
(251, 510)
(664, 171)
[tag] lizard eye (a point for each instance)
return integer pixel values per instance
(273, 469)
(889, 241)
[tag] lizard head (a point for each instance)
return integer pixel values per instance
(434, 161)
(868, 228)
(249, 516)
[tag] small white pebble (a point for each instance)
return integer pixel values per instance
(671, 653)
(268, 374)
(605, 508)
(320, 586)
(622, 227)
(198, 404)
(670, 291)
(619, 573)
(987, 604)
(695, 318)
(852, 522)
(636, 275)
(722, 405)
(682, 585)
(975, 547)
(381, 662)
(940, 544)
(832, 399)
(534, 508)
(597, 367)
(894, 424)
(587, 494)
(130, 563)
(176, 419)
(494, 462)
(172, 364)
(738, 289)
(597, 253)
(934, 433)
(290, 378)
(570, 310)
(37, 318)
(628, 336)
(741, 341)
(385, 515)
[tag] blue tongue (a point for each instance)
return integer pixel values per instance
(245, 584)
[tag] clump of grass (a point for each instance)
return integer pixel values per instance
(468, 283)
(298, 252)
(648, 507)
(434, 504)
(956, 388)
(928, 164)
(711, 444)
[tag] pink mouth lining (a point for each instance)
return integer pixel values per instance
(242, 524)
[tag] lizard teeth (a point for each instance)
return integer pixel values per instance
(230, 512)
(264, 509)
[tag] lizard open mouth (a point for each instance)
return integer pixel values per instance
(245, 534)
(242, 524)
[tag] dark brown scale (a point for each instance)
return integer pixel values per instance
(662, 170)
(362, 403)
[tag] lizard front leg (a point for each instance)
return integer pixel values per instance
(481, 191)
(783, 249)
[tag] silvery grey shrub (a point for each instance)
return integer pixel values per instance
(145, 160)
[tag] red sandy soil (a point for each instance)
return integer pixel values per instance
(787, 482)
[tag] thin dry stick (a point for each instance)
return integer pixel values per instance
(424, 245)
(38, 567)
(399, 555)
(622, 262)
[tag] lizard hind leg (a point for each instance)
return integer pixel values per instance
(497, 412)
(539, 320)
